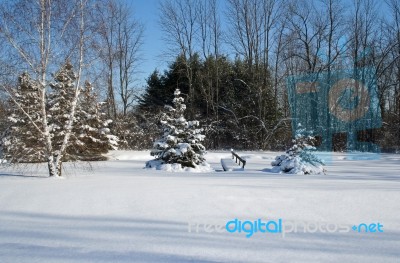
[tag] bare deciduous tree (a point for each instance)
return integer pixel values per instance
(179, 22)
(43, 35)
(121, 37)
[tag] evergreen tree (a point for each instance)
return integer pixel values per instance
(91, 136)
(72, 126)
(135, 131)
(160, 87)
(155, 96)
(300, 159)
(181, 139)
(22, 141)
(59, 106)
(235, 102)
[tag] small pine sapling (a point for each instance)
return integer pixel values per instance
(299, 158)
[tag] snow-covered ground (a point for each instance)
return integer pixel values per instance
(120, 212)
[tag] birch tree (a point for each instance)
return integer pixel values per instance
(43, 35)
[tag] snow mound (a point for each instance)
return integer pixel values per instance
(300, 158)
(295, 165)
(128, 155)
(177, 167)
(229, 165)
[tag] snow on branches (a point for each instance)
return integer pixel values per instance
(91, 136)
(181, 139)
(56, 122)
(299, 159)
(22, 141)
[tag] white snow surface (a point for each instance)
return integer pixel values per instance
(177, 167)
(229, 165)
(121, 212)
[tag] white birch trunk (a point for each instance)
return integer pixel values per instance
(44, 50)
(70, 122)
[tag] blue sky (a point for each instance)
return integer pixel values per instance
(146, 11)
(154, 48)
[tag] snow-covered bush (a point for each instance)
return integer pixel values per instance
(299, 159)
(181, 139)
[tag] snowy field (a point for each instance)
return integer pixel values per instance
(120, 212)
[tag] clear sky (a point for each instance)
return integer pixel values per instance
(147, 12)
(154, 48)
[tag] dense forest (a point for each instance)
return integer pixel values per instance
(232, 61)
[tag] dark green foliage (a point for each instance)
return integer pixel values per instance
(60, 102)
(156, 95)
(22, 141)
(235, 103)
(90, 136)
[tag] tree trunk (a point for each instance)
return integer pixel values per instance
(52, 168)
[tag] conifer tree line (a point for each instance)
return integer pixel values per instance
(229, 58)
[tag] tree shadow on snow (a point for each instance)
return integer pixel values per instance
(52, 238)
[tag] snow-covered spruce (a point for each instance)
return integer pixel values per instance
(299, 159)
(181, 141)
(22, 142)
(26, 139)
(59, 104)
(91, 137)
